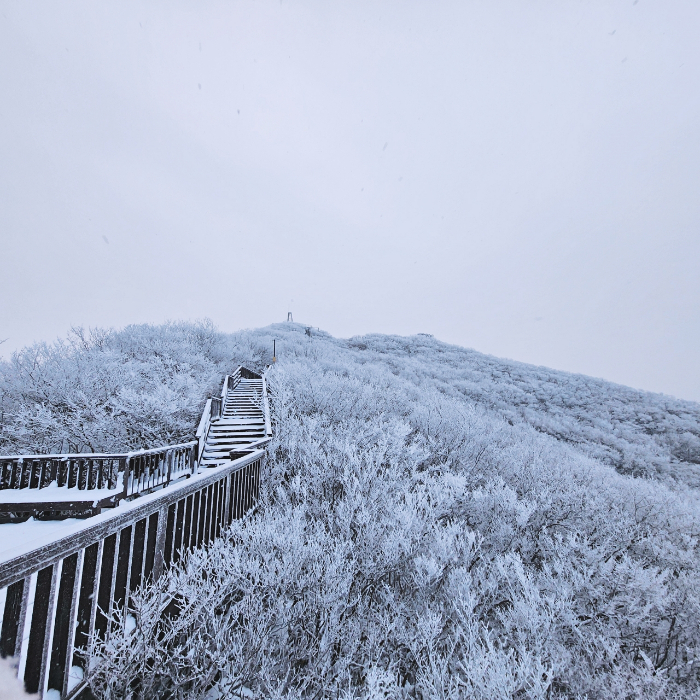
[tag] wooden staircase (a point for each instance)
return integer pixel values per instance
(241, 426)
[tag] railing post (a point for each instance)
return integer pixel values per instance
(127, 475)
(224, 393)
(160, 542)
(266, 409)
(169, 465)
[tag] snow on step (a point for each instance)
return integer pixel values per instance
(242, 422)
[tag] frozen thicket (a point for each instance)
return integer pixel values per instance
(100, 391)
(423, 533)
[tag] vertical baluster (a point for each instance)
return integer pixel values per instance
(203, 507)
(68, 678)
(203, 510)
(11, 618)
(138, 552)
(26, 473)
(251, 485)
(220, 507)
(217, 511)
(43, 473)
(211, 505)
(65, 609)
(167, 466)
(229, 499)
(90, 480)
(118, 467)
(196, 518)
(31, 480)
(16, 474)
(53, 471)
(24, 630)
(179, 526)
(186, 532)
(41, 629)
(242, 491)
(232, 497)
(152, 538)
(169, 536)
(72, 473)
(236, 494)
(62, 472)
(225, 495)
(143, 474)
(80, 473)
(123, 562)
(87, 605)
(160, 540)
(106, 586)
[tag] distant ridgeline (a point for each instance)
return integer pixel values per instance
(639, 433)
(144, 386)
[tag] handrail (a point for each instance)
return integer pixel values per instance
(58, 593)
(203, 429)
(90, 471)
(60, 588)
(206, 415)
(214, 408)
(77, 455)
(266, 407)
(150, 469)
(24, 562)
(153, 450)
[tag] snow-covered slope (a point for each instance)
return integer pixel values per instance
(419, 536)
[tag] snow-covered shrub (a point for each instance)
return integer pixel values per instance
(141, 387)
(411, 543)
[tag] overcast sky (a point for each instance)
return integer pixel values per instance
(517, 176)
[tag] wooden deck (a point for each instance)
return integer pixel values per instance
(140, 512)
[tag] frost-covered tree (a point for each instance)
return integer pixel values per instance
(415, 542)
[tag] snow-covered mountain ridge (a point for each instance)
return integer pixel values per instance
(638, 432)
(433, 522)
(418, 538)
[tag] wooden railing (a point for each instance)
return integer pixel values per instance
(57, 594)
(86, 483)
(214, 407)
(81, 471)
(266, 408)
(150, 469)
(62, 588)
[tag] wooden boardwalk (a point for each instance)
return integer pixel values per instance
(241, 423)
(61, 581)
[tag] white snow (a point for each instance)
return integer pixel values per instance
(58, 494)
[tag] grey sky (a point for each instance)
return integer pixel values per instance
(520, 177)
